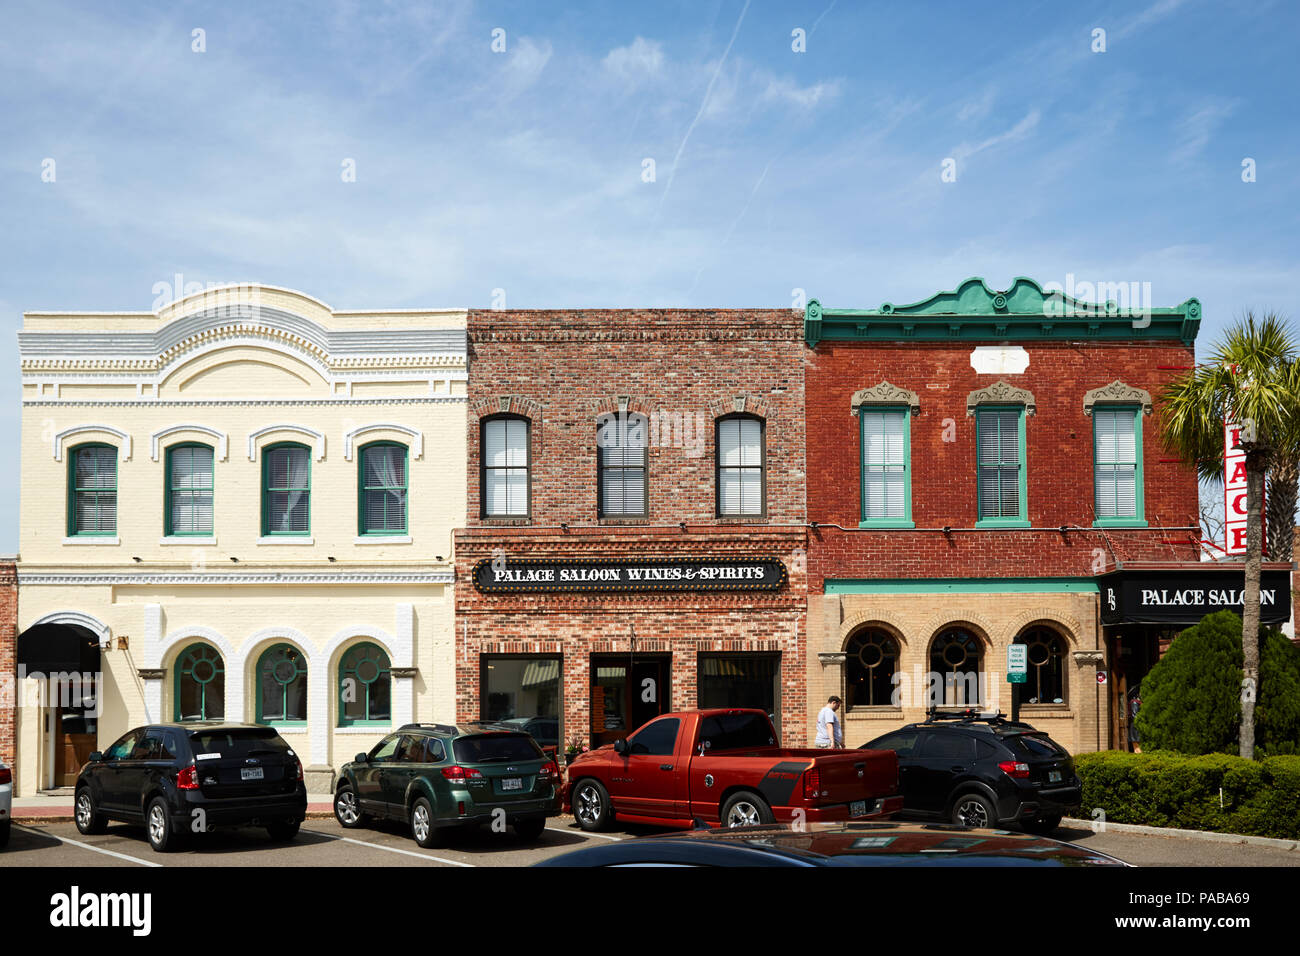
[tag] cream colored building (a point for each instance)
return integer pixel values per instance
(246, 501)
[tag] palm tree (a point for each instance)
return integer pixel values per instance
(1251, 378)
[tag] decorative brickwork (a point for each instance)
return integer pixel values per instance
(8, 660)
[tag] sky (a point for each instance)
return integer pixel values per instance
(691, 154)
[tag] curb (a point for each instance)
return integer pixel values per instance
(1208, 836)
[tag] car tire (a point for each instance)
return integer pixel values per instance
(974, 810)
(346, 809)
(746, 809)
(423, 829)
(591, 807)
(4, 834)
(530, 829)
(284, 830)
(89, 819)
(1043, 826)
(158, 825)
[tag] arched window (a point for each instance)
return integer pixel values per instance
(200, 684)
(281, 685)
(92, 490)
(957, 656)
(187, 509)
(871, 659)
(621, 463)
(741, 465)
(381, 508)
(1045, 683)
(365, 686)
(286, 490)
(504, 488)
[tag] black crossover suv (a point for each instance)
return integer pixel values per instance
(983, 770)
(179, 779)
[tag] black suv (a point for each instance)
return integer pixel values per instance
(982, 771)
(179, 779)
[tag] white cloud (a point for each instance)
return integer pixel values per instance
(638, 60)
(805, 97)
(1196, 129)
(1017, 132)
(525, 60)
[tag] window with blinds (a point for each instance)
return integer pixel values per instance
(740, 466)
(1115, 462)
(383, 489)
(997, 440)
(621, 463)
(505, 467)
(189, 490)
(286, 495)
(884, 464)
(93, 490)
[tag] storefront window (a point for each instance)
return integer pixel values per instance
(738, 680)
(200, 684)
(958, 657)
(1046, 678)
(870, 660)
(524, 692)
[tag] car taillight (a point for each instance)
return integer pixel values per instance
(299, 763)
(812, 782)
(188, 779)
(549, 769)
(1013, 769)
(461, 774)
(6, 775)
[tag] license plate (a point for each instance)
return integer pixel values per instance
(1053, 776)
(858, 808)
(512, 783)
(250, 773)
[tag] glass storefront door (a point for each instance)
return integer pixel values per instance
(626, 694)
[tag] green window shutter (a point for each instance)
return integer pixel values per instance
(188, 507)
(286, 490)
(1117, 464)
(383, 489)
(885, 479)
(999, 467)
(92, 490)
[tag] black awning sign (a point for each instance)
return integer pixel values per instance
(1184, 597)
(506, 575)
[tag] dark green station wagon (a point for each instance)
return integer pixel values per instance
(438, 776)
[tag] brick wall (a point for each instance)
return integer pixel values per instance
(8, 660)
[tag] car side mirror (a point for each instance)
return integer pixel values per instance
(96, 756)
(361, 758)
(620, 746)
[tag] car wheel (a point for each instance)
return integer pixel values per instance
(1042, 825)
(422, 826)
(4, 833)
(973, 810)
(346, 810)
(746, 809)
(284, 831)
(158, 824)
(591, 805)
(530, 829)
(89, 819)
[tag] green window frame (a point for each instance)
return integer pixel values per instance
(201, 666)
(999, 469)
(368, 667)
(189, 487)
(282, 681)
(278, 467)
(895, 459)
(389, 491)
(92, 491)
(1111, 461)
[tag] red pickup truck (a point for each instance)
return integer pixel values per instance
(724, 766)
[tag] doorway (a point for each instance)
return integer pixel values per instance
(65, 658)
(626, 694)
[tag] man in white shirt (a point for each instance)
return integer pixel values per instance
(830, 730)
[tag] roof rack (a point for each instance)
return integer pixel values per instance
(436, 728)
(967, 716)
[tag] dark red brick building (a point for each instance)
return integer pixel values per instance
(636, 519)
(8, 660)
(978, 462)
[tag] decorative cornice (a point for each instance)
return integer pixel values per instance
(745, 403)
(506, 405)
(234, 402)
(1117, 393)
(416, 436)
(685, 333)
(118, 579)
(318, 438)
(223, 441)
(67, 433)
(885, 394)
(1001, 393)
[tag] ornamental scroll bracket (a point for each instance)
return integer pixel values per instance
(885, 394)
(1117, 393)
(1001, 393)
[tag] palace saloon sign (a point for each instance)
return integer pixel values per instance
(506, 575)
(1184, 597)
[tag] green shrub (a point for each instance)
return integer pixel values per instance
(1191, 699)
(1163, 789)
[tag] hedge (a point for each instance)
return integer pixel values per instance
(1165, 789)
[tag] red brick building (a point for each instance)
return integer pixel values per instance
(636, 519)
(976, 462)
(8, 659)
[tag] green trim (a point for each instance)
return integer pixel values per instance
(1020, 520)
(362, 488)
(961, 585)
(385, 673)
(1139, 491)
(71, 513)
(1120, 523)
(182, 665)
(906, 520)
(266, 463)
(974, 312)
(168, 532)
(301, 672)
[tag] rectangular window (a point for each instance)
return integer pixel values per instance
(740, 466)
(189, 490)
(1000, 469)
(886, 483)
(94, 490)
(524, 693)
(383, 489)
(505, 468)
(287, 496)
(1117, 465)
(621, 450)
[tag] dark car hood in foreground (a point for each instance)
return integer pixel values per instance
(840, 844)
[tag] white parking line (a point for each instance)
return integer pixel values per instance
(390, 849)
(598, 836)
(87, 846)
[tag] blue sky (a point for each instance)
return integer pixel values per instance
(775, 170)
